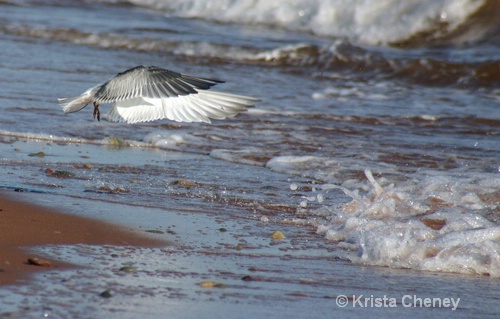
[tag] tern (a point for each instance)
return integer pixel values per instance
(149, 93)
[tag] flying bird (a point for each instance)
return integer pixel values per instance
(148, 93)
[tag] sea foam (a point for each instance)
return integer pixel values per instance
(440, 221)
(427, 226)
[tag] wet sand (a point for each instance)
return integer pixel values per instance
(25, 225)
(251, 273)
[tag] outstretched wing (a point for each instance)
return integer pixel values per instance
(200, 107)
(150, 82)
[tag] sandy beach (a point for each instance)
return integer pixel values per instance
(25, 225)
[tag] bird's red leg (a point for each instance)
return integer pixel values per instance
(97, 112)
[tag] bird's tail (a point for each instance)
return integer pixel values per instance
(75, 104)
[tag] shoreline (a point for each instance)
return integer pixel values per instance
(211, 266)
(24, 225)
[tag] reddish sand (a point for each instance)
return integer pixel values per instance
(24, 225)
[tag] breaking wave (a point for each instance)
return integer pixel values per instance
(379, 22)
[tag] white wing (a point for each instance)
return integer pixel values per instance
(198, 107)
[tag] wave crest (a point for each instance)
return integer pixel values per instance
(379, 22)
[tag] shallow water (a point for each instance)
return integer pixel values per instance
(380, 138)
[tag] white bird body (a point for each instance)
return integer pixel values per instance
(148, 93)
